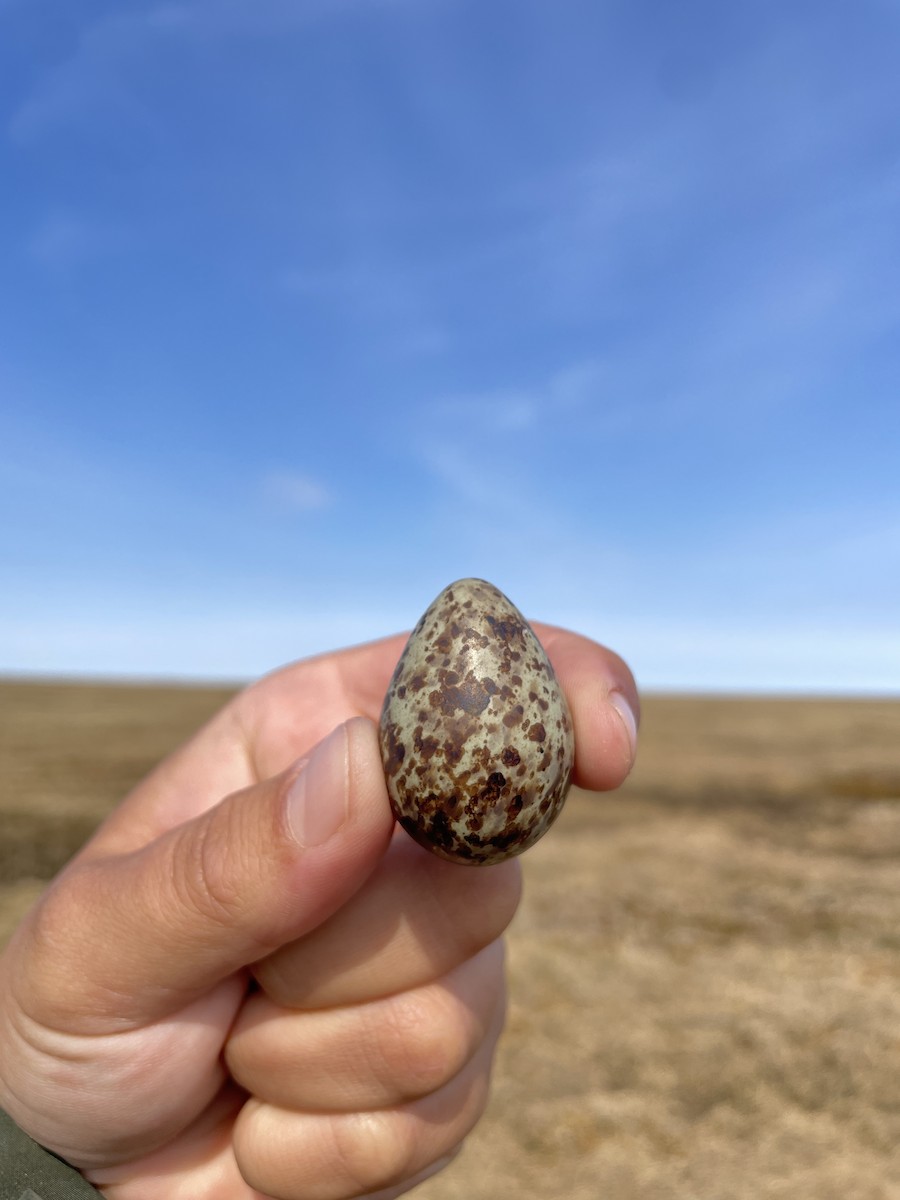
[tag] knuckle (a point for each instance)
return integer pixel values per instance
(422, 1043)
(373, 1150)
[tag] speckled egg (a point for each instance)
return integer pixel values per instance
(476, 736)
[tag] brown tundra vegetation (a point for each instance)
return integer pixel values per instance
(705, 970)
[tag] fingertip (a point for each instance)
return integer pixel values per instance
(351, 780)
(605, 731)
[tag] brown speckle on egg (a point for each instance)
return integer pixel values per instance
(476, 737)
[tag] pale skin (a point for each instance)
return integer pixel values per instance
(237, 994)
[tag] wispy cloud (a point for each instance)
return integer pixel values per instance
(97, 75)
(93, 79)
(512, 410)
(296, 492)
(65, 239)
(496, 412)
(488, 450)
(374, 295)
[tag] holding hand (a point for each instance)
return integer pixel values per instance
(249, 984)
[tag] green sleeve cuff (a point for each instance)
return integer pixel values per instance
(29, 1172)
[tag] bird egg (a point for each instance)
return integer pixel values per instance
(476, 735)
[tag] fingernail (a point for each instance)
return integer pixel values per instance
(318, 797)
(626, 712)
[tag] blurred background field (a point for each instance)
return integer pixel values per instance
(705, 969)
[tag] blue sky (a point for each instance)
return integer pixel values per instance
(308, 307)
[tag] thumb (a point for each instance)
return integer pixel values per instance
(140, 934)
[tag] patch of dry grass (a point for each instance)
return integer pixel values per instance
(68, 754)
(705, 971)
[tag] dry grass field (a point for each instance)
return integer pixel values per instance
(705, 971)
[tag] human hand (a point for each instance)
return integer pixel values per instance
(275, 993)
